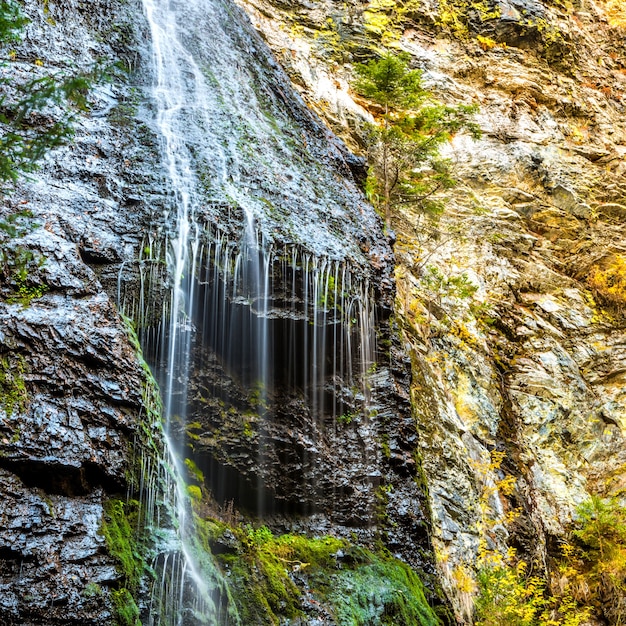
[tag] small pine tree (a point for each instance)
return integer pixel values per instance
(602, 535)
(35, 115)
(403, 147)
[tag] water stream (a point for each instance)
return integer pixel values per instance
(275, 309)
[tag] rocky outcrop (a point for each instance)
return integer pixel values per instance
(529, 366)
(70, 379)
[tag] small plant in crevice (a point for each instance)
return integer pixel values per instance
(92, 590)
(346, 418)
(18, 264)
(13, 392)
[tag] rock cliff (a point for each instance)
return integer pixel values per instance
(71, 381)
(95, 242)
(522, 375)
(529, 366)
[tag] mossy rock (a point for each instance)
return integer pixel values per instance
(271, 576)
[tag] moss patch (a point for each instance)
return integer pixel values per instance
(126, 610)
(276, 579)
(13, 394)
(117, 528)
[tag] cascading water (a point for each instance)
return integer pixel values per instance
(257, 291)
(181, 594)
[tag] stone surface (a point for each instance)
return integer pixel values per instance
(70, 380)
(531, 365)
(517, 367)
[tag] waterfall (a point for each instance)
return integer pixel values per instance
(181, 594)
(236, 284)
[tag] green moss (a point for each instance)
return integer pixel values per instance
(18, 263)
(248, 431)
(122, 543)
(126, 610)
(384, 445)
(357, 586)
(13, 393)
(194, 472)
(191, 433)
(150, 422)
(195, 493)
(117, 529)
(261, 572)
(381, 590)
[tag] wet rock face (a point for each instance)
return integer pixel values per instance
(71, 394)
(301, 427)
(74, 412)
(272, 182)
(53, 563)
(296, 458)
(70, 381)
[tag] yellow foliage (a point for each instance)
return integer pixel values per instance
(609, 279)
(453, 14)
(616, 13)
(463, 580)
(509, 596)
(386, 18)
(487, 43)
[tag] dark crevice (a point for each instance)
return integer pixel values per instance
(63, 480)
(227, 486)
(9, 554)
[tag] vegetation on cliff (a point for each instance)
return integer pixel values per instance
(585, 583)
(121, 536)
(406, 168)
(278, 579)
(36, 114)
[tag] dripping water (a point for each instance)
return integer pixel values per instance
(222, 294)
